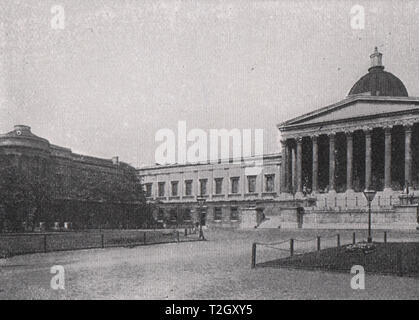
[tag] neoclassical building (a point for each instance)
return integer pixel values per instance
(369, 140)
(234, 196)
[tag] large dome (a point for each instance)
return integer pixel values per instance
(378, 82)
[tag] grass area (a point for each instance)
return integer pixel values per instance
(26, 243)
(400, 259)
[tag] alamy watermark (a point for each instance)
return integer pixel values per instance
(218, 145)
(58, 280)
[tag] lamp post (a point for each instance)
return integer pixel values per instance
(369, 195)
(201, 201)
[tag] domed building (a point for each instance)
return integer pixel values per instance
(369, 140)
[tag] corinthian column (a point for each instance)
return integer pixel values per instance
(387, 158)
(284, 166)
(367, 159)
(315, 164)
(408, 155)
(349, 160)
(299, 164)
(332, 162)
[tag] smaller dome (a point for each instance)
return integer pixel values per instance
(378, 82)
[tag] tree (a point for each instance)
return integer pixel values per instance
(25, 197)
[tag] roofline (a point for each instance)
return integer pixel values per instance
(346, 101)
(209, 162)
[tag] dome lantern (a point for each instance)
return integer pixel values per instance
(376, 59)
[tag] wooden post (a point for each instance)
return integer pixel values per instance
(177, 236)
(338, 239)
(318, 243)
(353, 238)
(254, 255)
(399, 263)
(291, 247)
(45, 243)
(385, 236)
(102, 240)
(145, 238)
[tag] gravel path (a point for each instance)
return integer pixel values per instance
(215, 269)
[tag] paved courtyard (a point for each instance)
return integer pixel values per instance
(216, 269)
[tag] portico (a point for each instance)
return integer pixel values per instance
(368, 140)
(376, 141)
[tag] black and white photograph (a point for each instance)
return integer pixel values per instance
(225, 152)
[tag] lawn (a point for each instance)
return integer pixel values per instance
(383, 258)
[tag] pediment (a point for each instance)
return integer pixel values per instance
(353, 108)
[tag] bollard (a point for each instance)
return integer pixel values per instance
(177, 236)
(385, 236)
(254, 255)
(102, 240)
(186, 232)
(291, 247)
(318, 243)
(45, 243)
(399, 263)
(353, 238)
(144, 238)
(338, 239)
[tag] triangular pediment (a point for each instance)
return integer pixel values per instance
(356, 107)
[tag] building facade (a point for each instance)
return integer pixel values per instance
(234, 195)
(54, 187)
(369, 140)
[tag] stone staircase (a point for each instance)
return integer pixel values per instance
(271, 222)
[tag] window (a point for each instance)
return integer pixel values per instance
(270, 183)
(218, 214)
(203, 186)
(160, 215)
(235, 185)
(173, 215)
(148, 189)
(188, 187)
(218, 185)
(187, 214)
(251, 184)
(161, 189)
(174, 188)
(234, 214)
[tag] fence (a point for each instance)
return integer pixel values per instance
(291, 247)
(16, 244)
(391, 258)
(344, 202)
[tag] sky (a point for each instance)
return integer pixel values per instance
(110, 75)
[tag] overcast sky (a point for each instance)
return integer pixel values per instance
(121, 70)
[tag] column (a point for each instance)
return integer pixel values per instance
(315, 183)
(408, 155)
(349, 160)
(331, 161)
(387, 158)
(367, 159)
(299, 164)
(288, 175)
(284, 167)
(293, 169)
